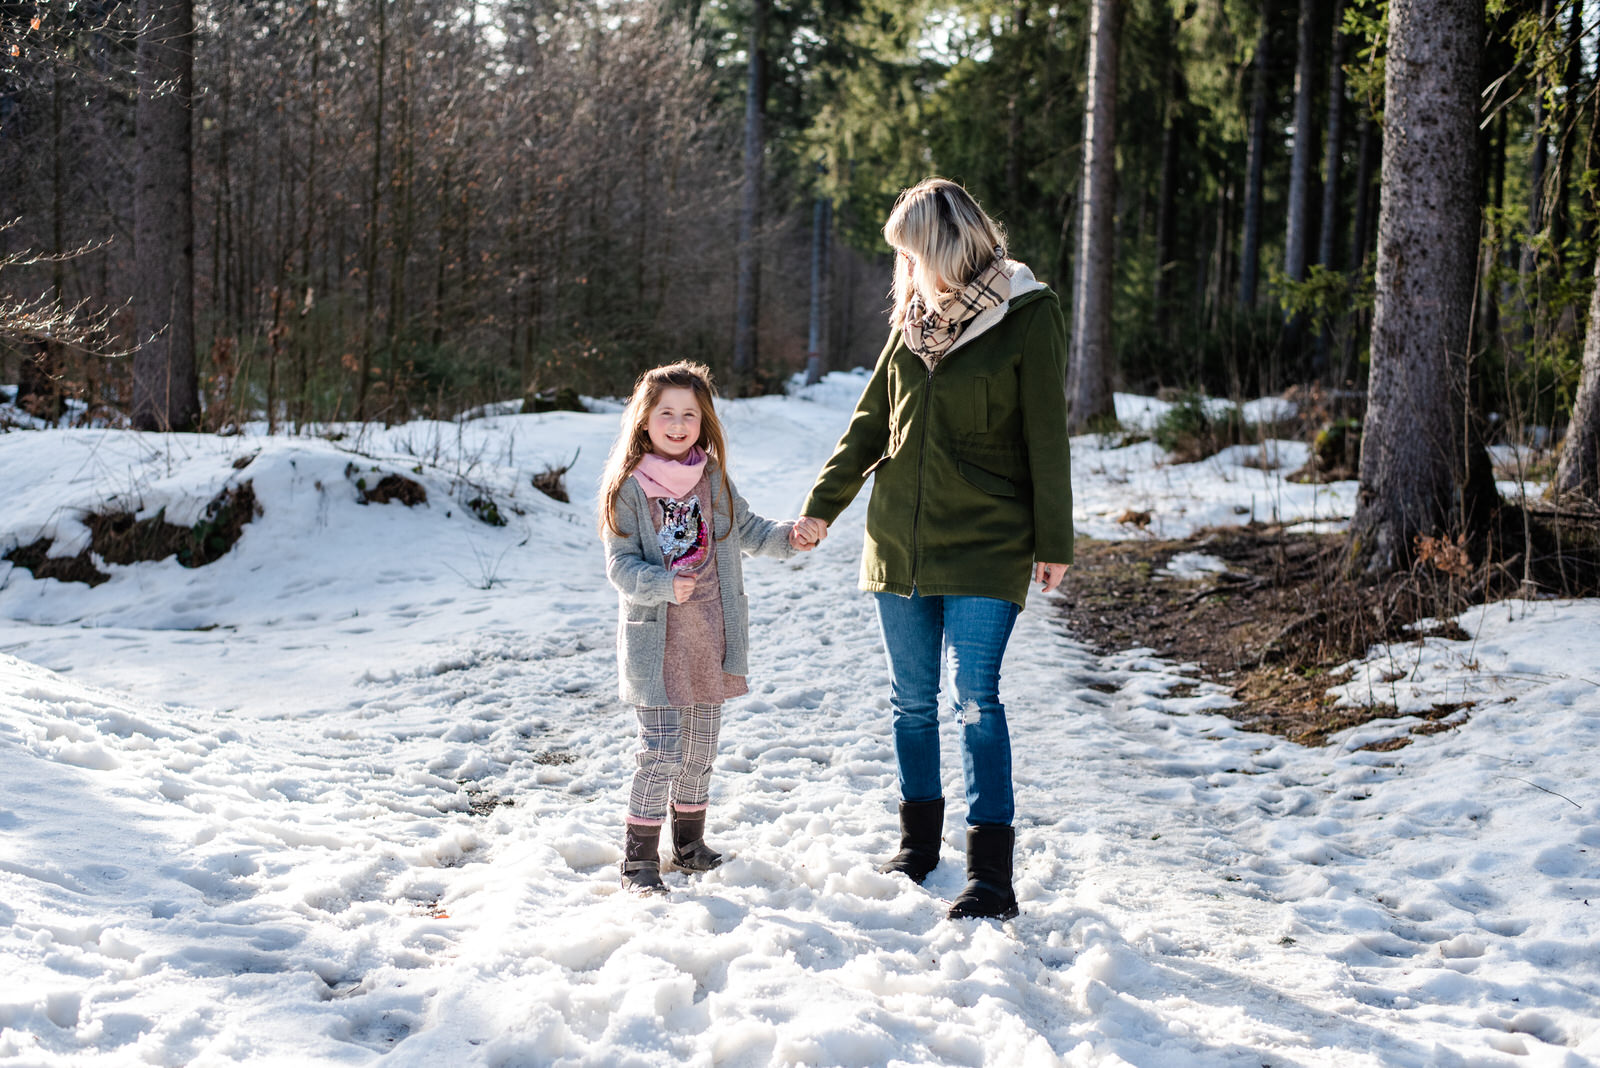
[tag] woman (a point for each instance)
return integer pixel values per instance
(964, 424)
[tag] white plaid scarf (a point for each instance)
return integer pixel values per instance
(931, 333)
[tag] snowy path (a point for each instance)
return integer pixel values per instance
(313, 867)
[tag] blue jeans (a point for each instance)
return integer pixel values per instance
(921, 634)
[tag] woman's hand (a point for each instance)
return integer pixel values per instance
(807, 533)
(682, 587)
(1049, 575)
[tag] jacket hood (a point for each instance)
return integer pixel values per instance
(1023, 285)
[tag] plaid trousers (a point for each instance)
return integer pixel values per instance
(677, 747)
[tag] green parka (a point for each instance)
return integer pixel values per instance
(972, 475)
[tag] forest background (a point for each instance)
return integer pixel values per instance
(405, 208)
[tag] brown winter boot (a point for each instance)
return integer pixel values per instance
(641, 861)
(689, 849)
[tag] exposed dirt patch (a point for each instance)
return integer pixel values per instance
(120, 538)
(481, 802)
(1271, 628)
(393, 488)
(552, 482)
(35, 558)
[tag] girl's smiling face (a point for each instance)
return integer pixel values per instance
(674, 425)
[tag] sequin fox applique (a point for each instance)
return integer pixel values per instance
(685, 540)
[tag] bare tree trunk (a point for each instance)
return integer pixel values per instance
(1565, 147)
(1423, 470)
(165, 394)
(1250, 253)
(1167, 197)
(1014, 105)
(1591, 163)
(374, 194)
(749, 277)
(1578, 473)
(1368, 152)
(1491, 255)
(1361, 230)
(1296, 241)
(1536, 164)
(1328, 231)
(302, 346)
(1221, 263)
(819, 286)
(1089, 364)
(403, 218)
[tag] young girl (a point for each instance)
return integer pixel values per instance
(674, 528)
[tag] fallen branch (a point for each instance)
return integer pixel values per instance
(1552, 793)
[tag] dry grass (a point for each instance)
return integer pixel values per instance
(1276, 627)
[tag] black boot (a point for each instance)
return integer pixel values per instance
(988, 894)
(641, 862)
(921, 829)
(689, 849)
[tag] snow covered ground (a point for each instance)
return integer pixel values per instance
(356, 791)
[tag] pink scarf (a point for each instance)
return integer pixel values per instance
(662, 477)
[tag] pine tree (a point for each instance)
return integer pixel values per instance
(1422, 468)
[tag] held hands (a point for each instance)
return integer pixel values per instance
(1049, 575)
(807, 533)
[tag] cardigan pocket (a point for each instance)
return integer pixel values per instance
(643, 613)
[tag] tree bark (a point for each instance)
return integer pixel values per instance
(1578, 473)
(1089, 365)
(1250, 252)
(1423, 470)
(165, 392)
(747, 301)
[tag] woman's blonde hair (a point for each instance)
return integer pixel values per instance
(945, 241)
(634, 441)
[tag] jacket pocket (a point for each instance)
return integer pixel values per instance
(988, 481)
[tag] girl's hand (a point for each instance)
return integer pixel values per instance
(682, 587)
(1049, 575)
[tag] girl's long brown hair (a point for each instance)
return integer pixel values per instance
(634, 440)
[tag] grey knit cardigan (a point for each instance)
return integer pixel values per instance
(635, 566)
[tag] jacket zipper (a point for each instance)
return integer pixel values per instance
(922, 453)
(922, 456)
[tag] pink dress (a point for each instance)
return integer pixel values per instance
(696, 642)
